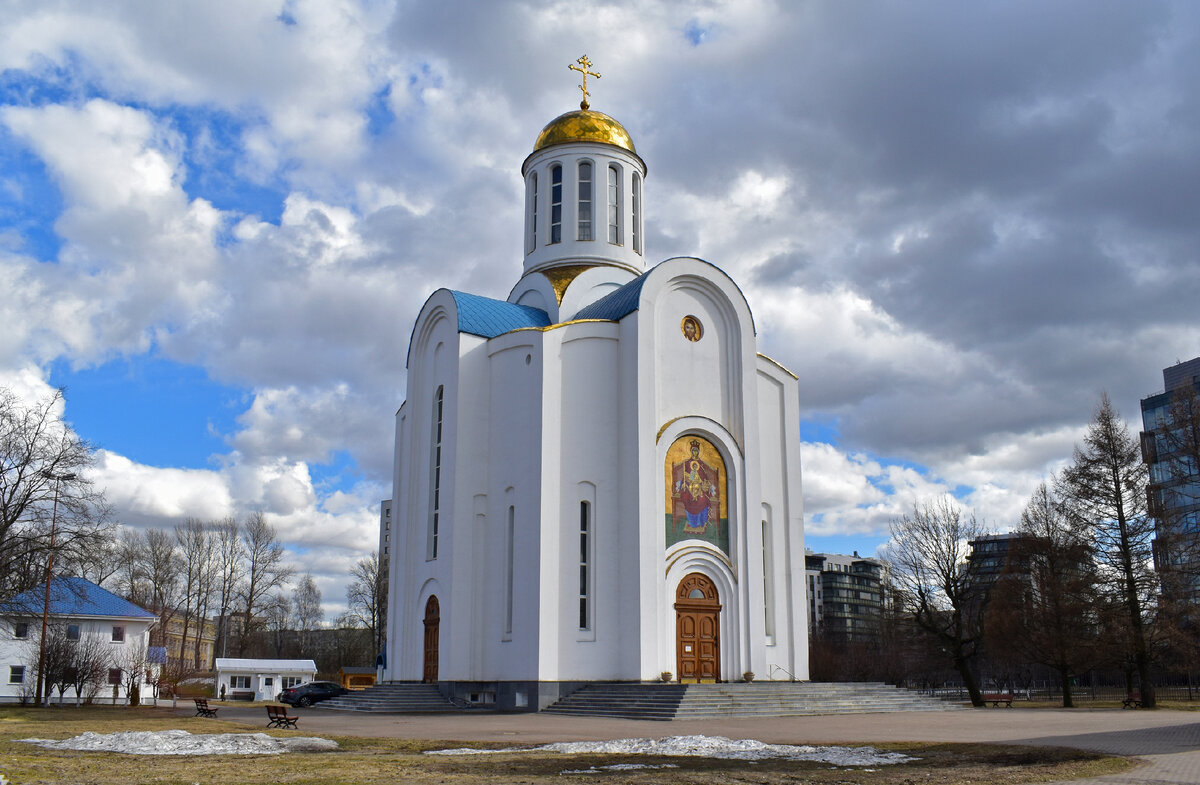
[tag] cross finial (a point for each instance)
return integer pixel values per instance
(584, 65)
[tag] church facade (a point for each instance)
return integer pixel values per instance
(598, 478)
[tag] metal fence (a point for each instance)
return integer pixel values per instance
(1084, 691)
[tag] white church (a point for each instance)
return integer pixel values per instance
(598, 478)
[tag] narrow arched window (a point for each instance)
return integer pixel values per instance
(531, 241)
(614, 205)
(585, 200)
(435, 473)
(556, 185)
(510, 533)
(585, 564)
(768, 584)
(635, 226)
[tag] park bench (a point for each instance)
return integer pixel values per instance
(277, 717)
(203, 709)
(996, 698)
(1132, 701)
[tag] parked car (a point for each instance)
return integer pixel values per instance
(314, 691)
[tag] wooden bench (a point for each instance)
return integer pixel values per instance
(1132, 701)
(277, 717)
(996, 698)
(203, 709)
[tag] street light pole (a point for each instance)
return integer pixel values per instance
(41, 674)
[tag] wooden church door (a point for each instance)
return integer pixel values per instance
(697, 630)
(433, 621)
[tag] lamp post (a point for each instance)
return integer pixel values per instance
(41, 674)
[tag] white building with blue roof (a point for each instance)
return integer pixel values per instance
(90, 630)
(597, 479)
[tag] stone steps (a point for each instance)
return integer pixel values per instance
(392, 697)
(756, 699)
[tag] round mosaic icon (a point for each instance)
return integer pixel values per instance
(691, 328)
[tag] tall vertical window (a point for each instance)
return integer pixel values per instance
(614, 205)
(531, 241)
(768, 590)
(509, 535)
(435, 473)
(635, 220)
(556, 186)
(585, 563)
(585, 200)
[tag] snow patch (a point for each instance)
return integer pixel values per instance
(180, 742)
(621, 767)
(706, 747)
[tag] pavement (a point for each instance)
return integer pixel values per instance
(1167, 743)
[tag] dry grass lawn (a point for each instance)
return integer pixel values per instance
(365, 761)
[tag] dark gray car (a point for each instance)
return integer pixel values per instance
(314, 691)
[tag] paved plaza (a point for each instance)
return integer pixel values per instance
(1167, 741)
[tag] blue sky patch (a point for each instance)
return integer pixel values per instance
(151, 410)
(379, 113)
(865, 544)
(696, 33)
(822, 431)
(30, 201)
(214, 152)
(340, 473)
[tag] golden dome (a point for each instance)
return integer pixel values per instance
(584, 125)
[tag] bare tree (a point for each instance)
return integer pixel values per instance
(197, 547)
(265, 572)
(306, 605)
(229, 569)
(1105, 491)
(278, 610)
(90, 660)
(134, 662)
(1046, 610)
(162, 567)
(42, 460)
(96, 561)
(130, 577)
(928, 554)
(365, 597)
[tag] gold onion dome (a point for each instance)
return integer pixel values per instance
(584, 125)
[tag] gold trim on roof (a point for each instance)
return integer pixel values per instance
(779, 365)
(555, 326)
(560, 278)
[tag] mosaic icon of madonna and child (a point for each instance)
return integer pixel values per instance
(695, 501)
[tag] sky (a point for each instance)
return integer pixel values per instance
(958, 223)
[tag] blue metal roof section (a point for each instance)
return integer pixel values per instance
(616, 304)
(488, 318)
(73, 597)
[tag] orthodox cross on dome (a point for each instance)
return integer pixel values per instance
(584, 65)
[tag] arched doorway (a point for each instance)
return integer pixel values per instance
(697, 630)
(433, 620)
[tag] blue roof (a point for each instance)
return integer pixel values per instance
(73, 597)
(616, 304)
(488, 318)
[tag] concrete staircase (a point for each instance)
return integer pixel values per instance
(756, 699)
(393, 698)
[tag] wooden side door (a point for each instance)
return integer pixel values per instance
(697, 630)
(433, 620)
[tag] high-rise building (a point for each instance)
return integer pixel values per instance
(1170, 442)
(845, 595)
